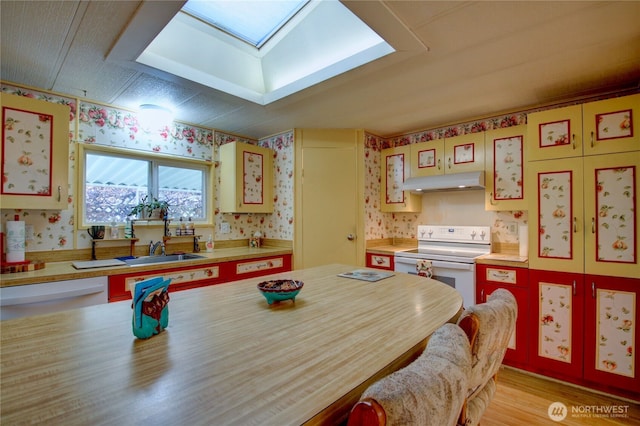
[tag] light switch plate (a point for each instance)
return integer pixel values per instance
(225, 228)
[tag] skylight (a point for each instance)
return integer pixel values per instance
(252, 21)
(311, 41)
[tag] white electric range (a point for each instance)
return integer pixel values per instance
(452, 251)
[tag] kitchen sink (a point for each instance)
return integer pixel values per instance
(146, 260)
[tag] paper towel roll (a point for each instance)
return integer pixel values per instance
(523, 238)
(15, 241)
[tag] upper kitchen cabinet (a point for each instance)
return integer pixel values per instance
(556, 232)
(586, 219)
(464, 153)
(611, 198)
(555, 133)
(427, 158)
(395, 168)
(34, 154)
(504, 168)
(612, 125)
(246, 178)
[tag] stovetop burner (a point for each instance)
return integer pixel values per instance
(451, 243)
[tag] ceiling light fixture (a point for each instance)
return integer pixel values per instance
(154, 117)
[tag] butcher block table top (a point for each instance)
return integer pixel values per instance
(227, 357)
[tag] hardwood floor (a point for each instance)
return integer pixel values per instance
(522, 399)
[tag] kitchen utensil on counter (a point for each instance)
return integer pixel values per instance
(15, 240)
(96, 232)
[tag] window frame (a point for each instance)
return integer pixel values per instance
(156, 160)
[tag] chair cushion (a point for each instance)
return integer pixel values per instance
(497, 318)
(432, 389)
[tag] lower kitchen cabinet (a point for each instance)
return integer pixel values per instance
(380, 261)
(557, 311)
(181, 279)
(241, 269)
(584, 330)
(490, 278)
(184, 278)
(611, 318)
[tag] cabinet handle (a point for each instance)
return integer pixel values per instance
(439, 164)
(491, 199)
(591, 139)
(449, 162)
(482, 296)
(59, 193)
(573, 140)
(575, 225)
(574, 287)
(593, 289)
(593, 225)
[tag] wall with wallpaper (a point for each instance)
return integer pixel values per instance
(93, 123)
(441, 208)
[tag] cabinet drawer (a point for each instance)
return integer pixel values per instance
(181, 279)
(257, 267)
(380, 261)
(502, 275)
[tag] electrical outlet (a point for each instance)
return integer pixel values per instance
(225, 228)
(29, 233)
(512, 227)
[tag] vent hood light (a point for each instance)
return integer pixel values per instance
(455, 181)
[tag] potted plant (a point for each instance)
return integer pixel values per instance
(150, 209)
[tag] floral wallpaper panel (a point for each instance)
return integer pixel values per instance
(252, 179)
(554, 133)
(615, 219)
(116, 127)
(27, 148)
(464, 153)
(615, 331)
(395, 178)
(427, 158)
(554, 325)
(614, 125)
(555, 236)
(508, 168)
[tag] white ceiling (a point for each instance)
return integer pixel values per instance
(455, 61)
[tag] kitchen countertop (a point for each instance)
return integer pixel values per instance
(58, 271)
(498, 259)
(391, 249)
(226, 357)
(501, 259)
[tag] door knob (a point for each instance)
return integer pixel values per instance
(351, 237)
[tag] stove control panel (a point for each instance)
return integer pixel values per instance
(468, 234)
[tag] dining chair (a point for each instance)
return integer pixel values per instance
(489, 327)
(429, 391)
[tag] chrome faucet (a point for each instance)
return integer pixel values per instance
(154, 247)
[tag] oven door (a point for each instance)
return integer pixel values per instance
(461, 276)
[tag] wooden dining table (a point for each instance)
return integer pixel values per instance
(227, 356)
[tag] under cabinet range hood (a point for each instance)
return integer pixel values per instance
(457, 181)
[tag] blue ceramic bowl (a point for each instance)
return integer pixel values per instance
(279, 290)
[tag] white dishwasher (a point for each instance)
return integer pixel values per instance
(36, 299)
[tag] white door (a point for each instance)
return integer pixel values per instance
(329, 198)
